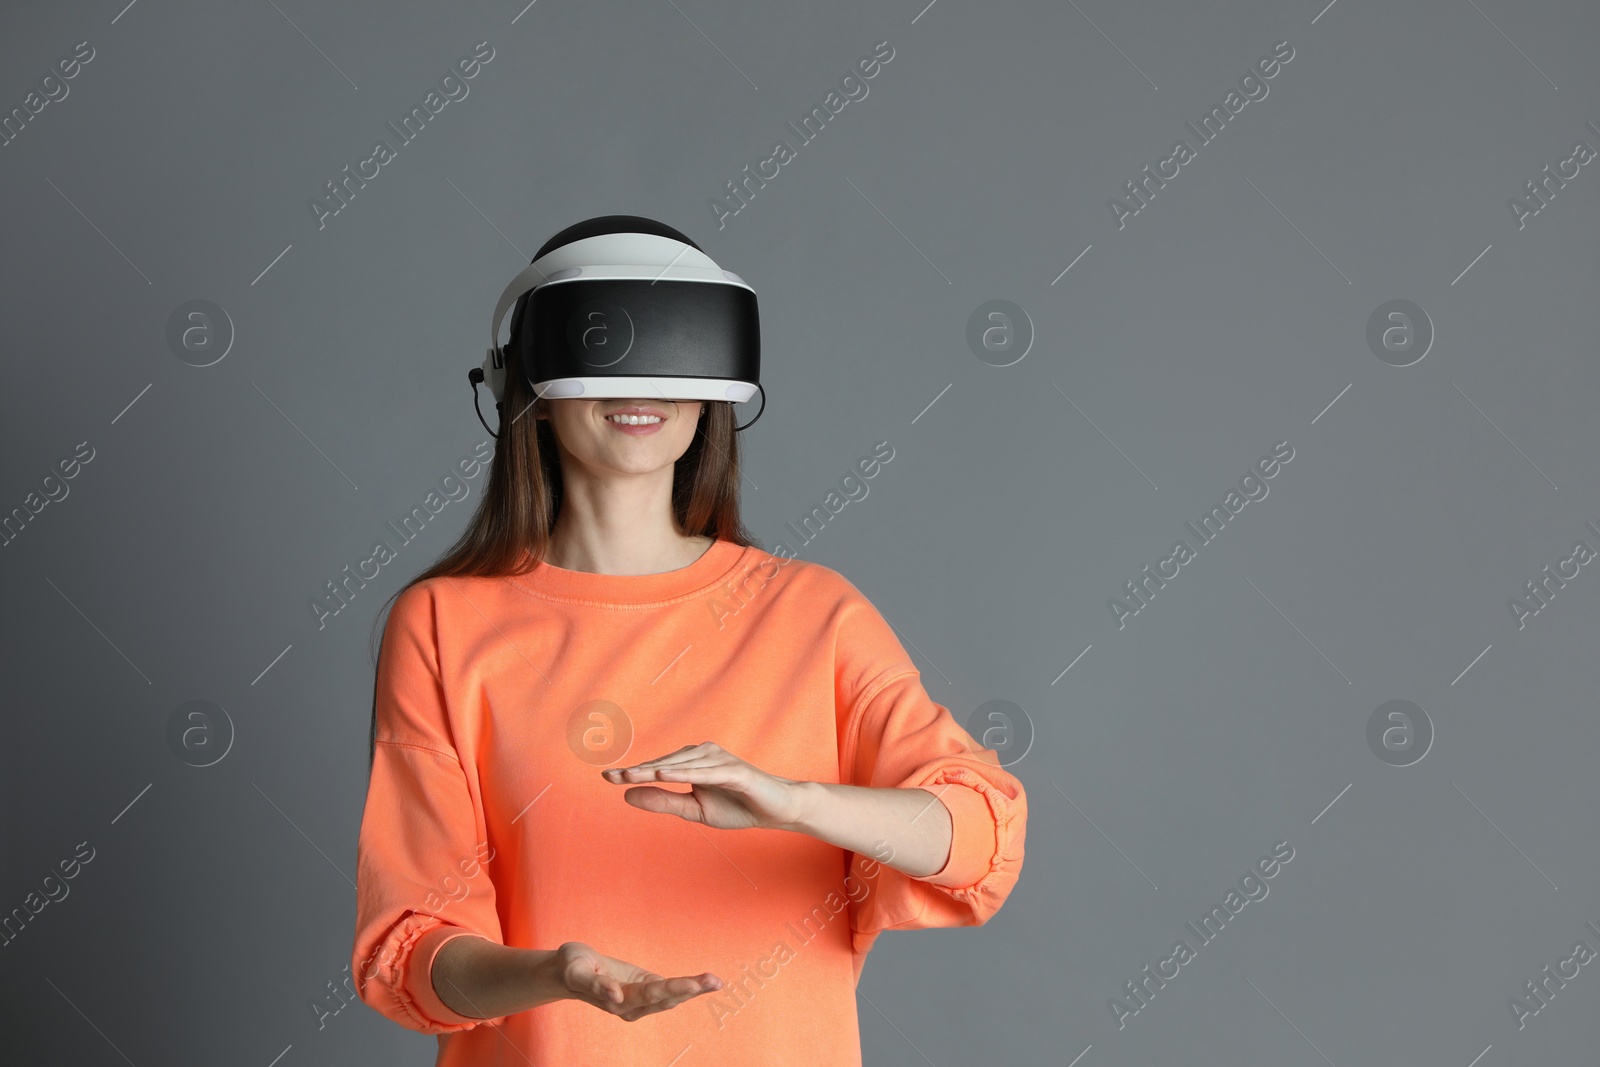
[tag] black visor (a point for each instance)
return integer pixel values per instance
(623, 327)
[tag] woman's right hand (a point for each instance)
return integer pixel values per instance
(621, 988)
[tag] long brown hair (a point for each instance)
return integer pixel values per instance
(509, 533)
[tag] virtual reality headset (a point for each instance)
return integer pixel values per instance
(622, 306)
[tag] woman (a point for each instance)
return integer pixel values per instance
(577, 705)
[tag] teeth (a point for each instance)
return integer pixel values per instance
(634, 420)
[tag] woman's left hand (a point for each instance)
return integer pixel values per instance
(726, 793)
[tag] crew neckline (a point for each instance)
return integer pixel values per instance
(633, 590)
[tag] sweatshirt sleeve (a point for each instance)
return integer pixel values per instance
(895, 734)
(420, 879)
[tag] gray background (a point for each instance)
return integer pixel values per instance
(1228, 315)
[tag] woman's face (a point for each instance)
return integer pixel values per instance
(600, 435)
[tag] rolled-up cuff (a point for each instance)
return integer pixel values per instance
(419, 979)
(972, 836)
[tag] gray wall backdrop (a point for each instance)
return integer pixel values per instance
(1387, 262)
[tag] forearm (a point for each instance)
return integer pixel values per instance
(478, 978)
(913, 823)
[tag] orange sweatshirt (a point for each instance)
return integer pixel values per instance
(499, 702)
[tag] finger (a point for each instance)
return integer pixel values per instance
(628, 775)
(731, 775)
(643, 997)
(678, 772)
(688, 986)
(665, 802)
(686, 752)
(660, 1004)
(691, 986)
(657, 989)
(704, 750)
(645, 983)
(682, 989)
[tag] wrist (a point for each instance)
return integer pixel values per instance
(807, 800)
(545, 976)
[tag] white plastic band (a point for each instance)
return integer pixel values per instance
(646, 388)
